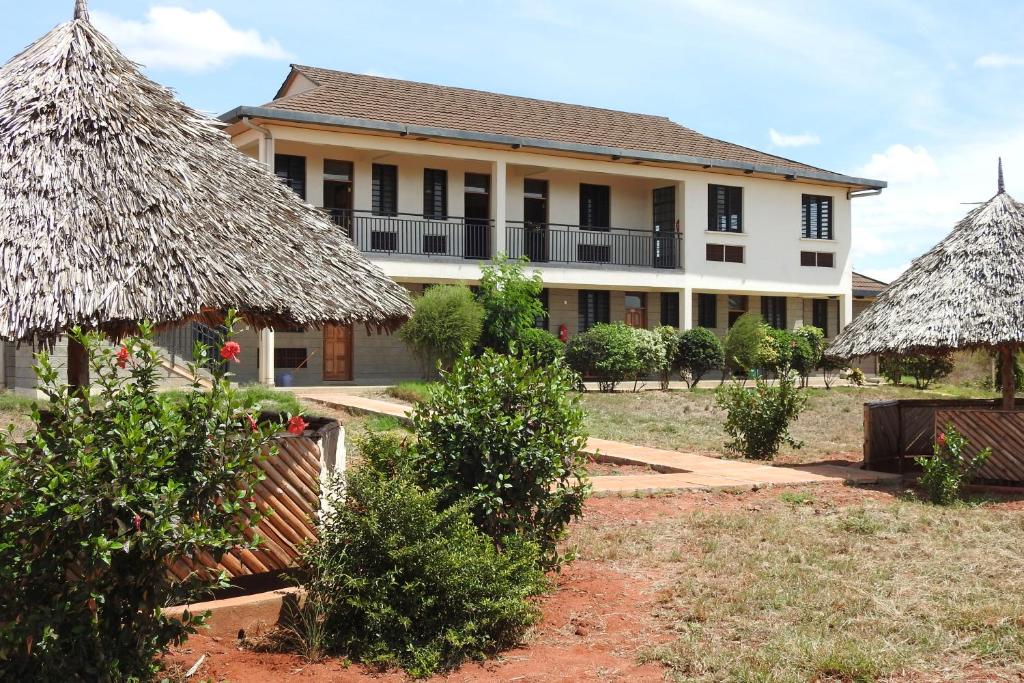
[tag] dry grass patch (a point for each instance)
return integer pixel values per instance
(790, 589)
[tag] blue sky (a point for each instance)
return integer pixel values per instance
(922, 94)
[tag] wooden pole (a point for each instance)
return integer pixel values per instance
(1009, 379)
(78, 366)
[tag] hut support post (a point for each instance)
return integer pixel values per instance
(78, 366)
(1008, 378)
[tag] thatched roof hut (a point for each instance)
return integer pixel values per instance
(967, 292)
(118, 203)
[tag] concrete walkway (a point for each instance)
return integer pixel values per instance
(679, 471)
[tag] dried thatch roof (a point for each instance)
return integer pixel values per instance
(967, 292)
(118, 203)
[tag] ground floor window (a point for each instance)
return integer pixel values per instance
(593, 307)
(773, 310)
(738, 305)
(542, 321)
(670, 309)
(707, 310)
(819, 314)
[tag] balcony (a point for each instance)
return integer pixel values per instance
(414, 235)
(572, 244)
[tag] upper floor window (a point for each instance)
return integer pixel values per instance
(291, 170)
(595, 206)
(385, 190)
(816, 218)
(730, 253)
(773, 310)
(820, 259)
(725, 208)
(435, 194)
(707, 310)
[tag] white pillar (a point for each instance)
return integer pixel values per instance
(686, 309)
(845, 310)
(266, 364)
(499, 206)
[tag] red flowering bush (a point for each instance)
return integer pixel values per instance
(111, 485)
(230, 351)
(951, 467)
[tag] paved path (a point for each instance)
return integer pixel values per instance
(680, 471)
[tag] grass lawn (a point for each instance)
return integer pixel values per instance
(833, 422)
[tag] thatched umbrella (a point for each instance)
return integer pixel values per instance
(118, 203)
(966, 293)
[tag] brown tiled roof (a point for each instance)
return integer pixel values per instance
(409, 103)
(863, 283)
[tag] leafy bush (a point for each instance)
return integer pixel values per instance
(446, 322)
(1018, 373)
(926, 368)
(540, 345)
(775, 354)
(511, 302)
(809, 350)
(758, 420)
(950, 468)
(652, 356)
(892, 368)
(111, 486)
(698, 353)
(743, 343)
(669, 338)
(607, 353)
(856, 377)
(401, 579)
(830, 369)
(507, 437)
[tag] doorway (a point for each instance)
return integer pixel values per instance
(478, 216)
(337, 353)
(338, 192)
(535, 219)
(664, 227)
(636, 309)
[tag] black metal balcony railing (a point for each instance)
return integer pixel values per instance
(413, 234)
(551, 243)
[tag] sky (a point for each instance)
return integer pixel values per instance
(925, 95)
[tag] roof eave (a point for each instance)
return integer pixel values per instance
(238, 113)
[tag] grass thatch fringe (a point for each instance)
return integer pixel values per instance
(118, 203)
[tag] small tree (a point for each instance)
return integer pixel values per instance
(608, 353)
(111, 486)
(507, 437)
(652, 357)
(951, 467)
(743, 343)
(446, 322)
(699, 352)
(926, 368)
(775, 354)
(669, 338)
(511, 302)
(893, 368)
(808, 353)
(759, 419)
(830, 369)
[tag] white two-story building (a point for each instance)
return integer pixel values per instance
(628, 217)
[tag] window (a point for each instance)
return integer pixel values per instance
(819, 314)
(725, 208)
(727, 253)
(670, 309)
(595, 206)
(338, 171)
(738, 305)
(291, 170)
(289, 358)
(707, 310)
(593, 308)
(816, 219)
(819, 259)
(773, 310)
(385, 190)
(435, 194)
(542, 321)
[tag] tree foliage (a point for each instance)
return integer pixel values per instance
(511, 302)
(743, 343)
(699, 352)
(447, 320)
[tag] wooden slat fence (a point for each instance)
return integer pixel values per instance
(1000, 430)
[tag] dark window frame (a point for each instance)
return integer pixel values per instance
(725, 206)
(818, 259)
(816, 217)
(595, 209)
(291, 169)
(742, 306)
(707, 311)
(385, 199)
(593, 306)
(290, 358)
(819, 314)
(773, 310)
(543, 321)
(435, 194)
(670, 309)
(725, 253)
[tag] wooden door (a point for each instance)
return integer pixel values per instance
(337, 353)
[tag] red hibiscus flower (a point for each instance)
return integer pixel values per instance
(252, 423)
(137, 522)
(297, 425)
(941, 439)
(122, 357)
(230, 351)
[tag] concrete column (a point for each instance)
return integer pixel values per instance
(499, 206)
(845, 311)
(686, 309)
(266, 364)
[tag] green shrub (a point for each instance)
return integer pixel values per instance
(652, 356)
(511, 302)
(669, 338)
(540, 345)
(446, 322)
(698, 353)
(808, 351)
(110, 487)
(506, 436)
(856, 377)
(607, 353)
(402, 579)
(743, 344)
(830, 369)
(758, 420)
(775, 354)
(926, 368)
(892, 368)
(950, 468)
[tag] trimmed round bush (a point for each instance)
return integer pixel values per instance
(698, 352)
(607, 353)
(540, 345)
(743, 343)
(447, 321)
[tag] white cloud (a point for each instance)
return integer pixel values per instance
(176, 38)
(998, 61)
(900, 164)
(801, 140)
